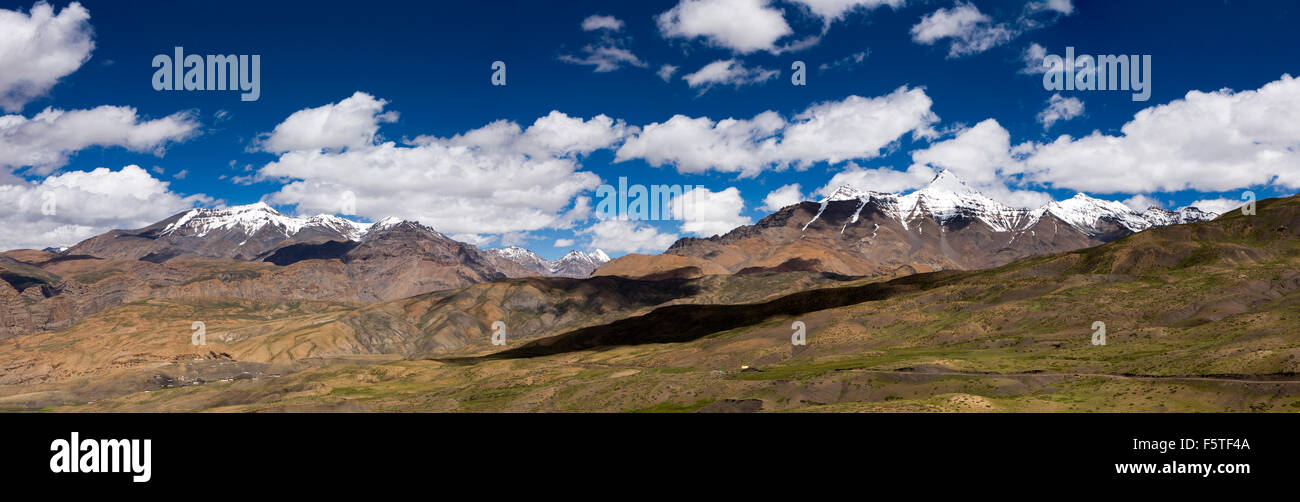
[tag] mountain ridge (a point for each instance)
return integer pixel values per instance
(946, 224)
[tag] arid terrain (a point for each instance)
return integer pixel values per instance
(1197, 317)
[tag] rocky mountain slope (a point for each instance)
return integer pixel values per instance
(945, 225)
(1198, 317)
(247, 252)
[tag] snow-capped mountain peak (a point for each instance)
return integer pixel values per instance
(947, 182)
(948, 197)
(249, 219)
(845, 192)
(261, 220)
(386, 223)
(598, 257)
(258, 218)
(1086, 213)
(348, 228)
(522, 256)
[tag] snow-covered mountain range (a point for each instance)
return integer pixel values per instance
(947, 224)
(257, 218)
(573, 264)
(259, 232)
(947, 197)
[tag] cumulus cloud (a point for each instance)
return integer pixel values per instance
(350, 123)
(1207, 141)
(1142, 202)
(728, 72)
(474, 239)
(881, 179)
(65, 209)
(787, 195)
(555, 135)
(45, 141)
(1059, 108)
(834, 131)
(624, 236)
(492, 180)
(562, 243)
(977, 154)
(39, 48)
(967, 30)
(743, 26)
(1219, 205)
(707, 213)
(598, 22)
(981, 156)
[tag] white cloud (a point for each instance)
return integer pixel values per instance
(857, 127)
(610, 51)
(38, 49)
(1059, 6)
(496, 179)
(981, 156)
(350, 123)
(707, 213)
(968, 30)
(697, 145)
(605, 57)
(1141, 202)
(556, 134)
(728, 72)
(562, 243)
(1207, 141)
(45, 141)
(977, 154)
(743, 26)
(787, 195)
(85, 204)
(1033, 56)
(881, 179)
(1219, 205)
(834, 131)
(832, 10)
(1059, 108)
(474, 239)
(623, 236)
(666, 72)
(599, 22)
(516, 238)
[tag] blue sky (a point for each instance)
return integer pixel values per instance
(424, 71)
